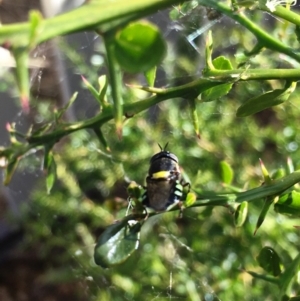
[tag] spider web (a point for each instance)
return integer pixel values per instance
(84, 53)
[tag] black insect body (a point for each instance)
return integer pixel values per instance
(164, 186)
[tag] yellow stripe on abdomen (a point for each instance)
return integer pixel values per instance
(160, 175)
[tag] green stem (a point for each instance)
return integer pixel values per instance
(103, 15)
(284, 13)
(187, 91)
(22, 75)
(262, 36)
(115, 79)
(253, 74)
(190, 90)
(275, 188)
(256, 194)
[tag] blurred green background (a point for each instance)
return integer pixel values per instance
(201, 256)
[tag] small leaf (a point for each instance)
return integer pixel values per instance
(101, 138)
(226, 172)
(194, 114)
(103, 85)
(266, 100)
(35, 18)
(134, 190)
(240, 214)
(190, 199)
(139, 47)
(92, 90)
(182, 10)
(296, 298)
(269, 260)
(10, 169)
(297, 32)
(289, 204)
(278, 173)
(267, 278)
(61, 111)
(208, 52)
(265, 173)
(220, 63)
(290, 165)
(51, 172)
(150, 76)
(267, 203)
(22, 75)
(117, 243)
(289, 273)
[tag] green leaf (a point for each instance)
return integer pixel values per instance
(134, 190)
(92, 90)
(220, 63)
(269, 260)
(139, 47)
(278, 173)
(267, 278)
(103, 85)
(289, 204)
(192, 103)
(287, 276)
(240, 214)
(150, 76)
(297, 298)
(35, 20)
(22, 75)
(10, 169)
(51, 172)
(183, 9)
(60, 112)
(266, 206)
(190, 199)
(265, 173)
(117, 243)
(266, 100)
(226, 172)
(208, 52)
(101, 138)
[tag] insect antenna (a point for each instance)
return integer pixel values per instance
(163, 149)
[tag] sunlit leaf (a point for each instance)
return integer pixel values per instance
(117, 243)
(227, 172)
(266, 100)
(150, 76)
(91, 88)
(220, 63)
(139, 47)
(265, 173)
(289, 204)
(35, 18)
(134, 190)
(190, 199)
(278, 173)
(240, 214)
